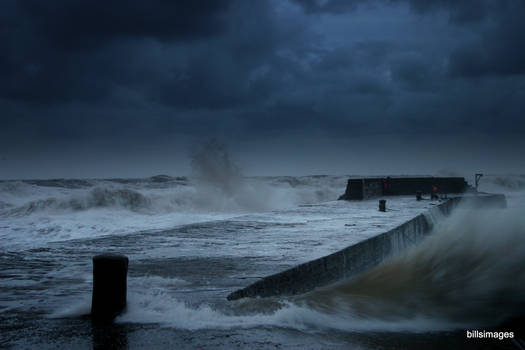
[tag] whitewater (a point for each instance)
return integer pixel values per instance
(192, 240)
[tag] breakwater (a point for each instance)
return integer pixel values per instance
(363, 188)
(361, 256)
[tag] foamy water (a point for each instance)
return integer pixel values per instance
(469, 272)
(36, 212)
(191, 242)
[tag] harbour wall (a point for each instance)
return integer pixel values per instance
(363, 188)
(361, 256)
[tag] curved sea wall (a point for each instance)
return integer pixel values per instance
(361, 256)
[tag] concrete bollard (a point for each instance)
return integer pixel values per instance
(382, 205)
(109, 286)
(419, 195)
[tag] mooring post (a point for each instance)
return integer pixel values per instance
(109, 286)
(382, 205)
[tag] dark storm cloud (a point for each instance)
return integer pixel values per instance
(416, 73)
(328, 6)
(58, 51)
(63, 80)
(185, 53)
(459, 11)
(135, 71)
(463, 11)
(84, 23)
(499, 49)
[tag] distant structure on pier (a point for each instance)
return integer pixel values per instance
(370, 187)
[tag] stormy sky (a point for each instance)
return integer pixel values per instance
(133, 88)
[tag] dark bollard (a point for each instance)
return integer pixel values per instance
(419, 195)
(109, 286)
(382, 205)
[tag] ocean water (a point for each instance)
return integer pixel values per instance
(192, 241)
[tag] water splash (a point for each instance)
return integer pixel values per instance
(469, 271)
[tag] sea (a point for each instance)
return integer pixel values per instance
(193, 240)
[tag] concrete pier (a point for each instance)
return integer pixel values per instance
(361, 256)
(370, 187)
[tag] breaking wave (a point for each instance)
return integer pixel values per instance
(248, 195)
(96, 198)
(469, 272)
(216, 185)
(151, 300)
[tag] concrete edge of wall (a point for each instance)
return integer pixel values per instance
(361, 256)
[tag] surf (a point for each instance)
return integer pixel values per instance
(467, 272)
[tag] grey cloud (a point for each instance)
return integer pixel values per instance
(328, 6)
(61, 51)
(244, 70)
(83, 23)
(463, 11)
(499, 50)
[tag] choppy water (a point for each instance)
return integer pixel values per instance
(192, 242)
